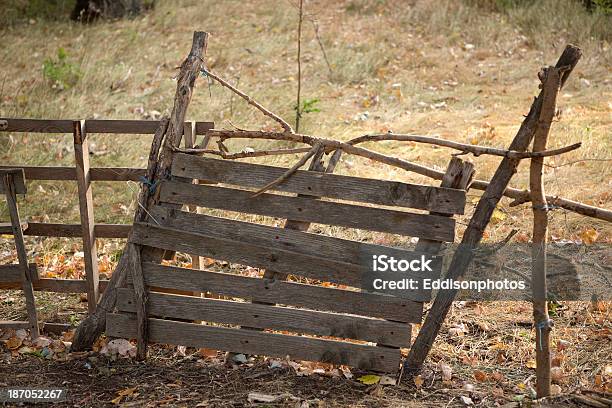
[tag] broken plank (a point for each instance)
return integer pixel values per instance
(261, 343)
(384, 192)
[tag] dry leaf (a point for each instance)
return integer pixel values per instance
(562, 345)
(497, 376)
(369, 379)
(123, 393)
(556, 374)
(387, 380)
(418, 381)
(531, 364)
(555, 389)
(466, 400)
(446, 370)
(14, 343)
(480, 376)
(589, 236)
(207, 353)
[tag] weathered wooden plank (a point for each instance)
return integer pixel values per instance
(256, 342)
(69, 173)
(18, 178)
(269, 317)
(86, 207)
(384, 192)
(262, 257)
(283, 292)
(12, 273)
(7, 227)
(339, 249)
(13, 324)
(133, 126)
(55, 285)
(44, 229)
(94, 126)
(9, 189)
(36, 125)
(306, 209)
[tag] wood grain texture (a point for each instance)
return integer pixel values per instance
(43, 229)
(86, 207)
(256, 342)
(26, 278)
(285, 293)
(12, 273)
(260, 257)
(269, 317)
(320, 184)
(94, 126)
(69, 173)
(55, 285)
(342, 250)
(306, 209)
(18, 180)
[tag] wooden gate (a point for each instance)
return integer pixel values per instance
(334, 322)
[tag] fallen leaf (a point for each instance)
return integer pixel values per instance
(418, 381)
(14, 343)
(480, 376)
(556, 374)
(387, 380)
(207, 353)
(555, 389)
(369, 379)
(588, 236)
(446, 370)
(123, 393)
(466, 400)
(562, 345)
(531, 364)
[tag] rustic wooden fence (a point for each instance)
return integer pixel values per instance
(84, 175)
(359, 328)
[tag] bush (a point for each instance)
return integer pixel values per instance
(61, 73)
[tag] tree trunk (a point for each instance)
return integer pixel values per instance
(90, 10)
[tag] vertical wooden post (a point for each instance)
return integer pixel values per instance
(482, 215)
(81, 156)
(8, 183)
(551, 79)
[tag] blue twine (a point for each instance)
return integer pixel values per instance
(545, 324)
(152, 186)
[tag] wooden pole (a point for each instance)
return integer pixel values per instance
(86, 207)
(551, 78)
(8, 183)
(166, 139)
(473, 234)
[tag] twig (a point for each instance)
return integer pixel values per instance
(314, 150)
(298, 108)
(243, 154)
(249, 100)
(315, 25)
(465, 148)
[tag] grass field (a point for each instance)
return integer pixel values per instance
(463, 70)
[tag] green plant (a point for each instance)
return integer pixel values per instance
(62, 73)
(307, 106)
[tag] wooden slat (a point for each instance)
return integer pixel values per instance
(373, 191)
(55, 285)
(269, 317)
(255, 342)
(262, 257)
(94, 126)
(13, 324)
(283, 292)
(12, 273)
(86, 207)
(45, 229)
(305, 209)
(7, 228)
(339, 249)
(37, 125)
(69, 173)
(18, 180)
